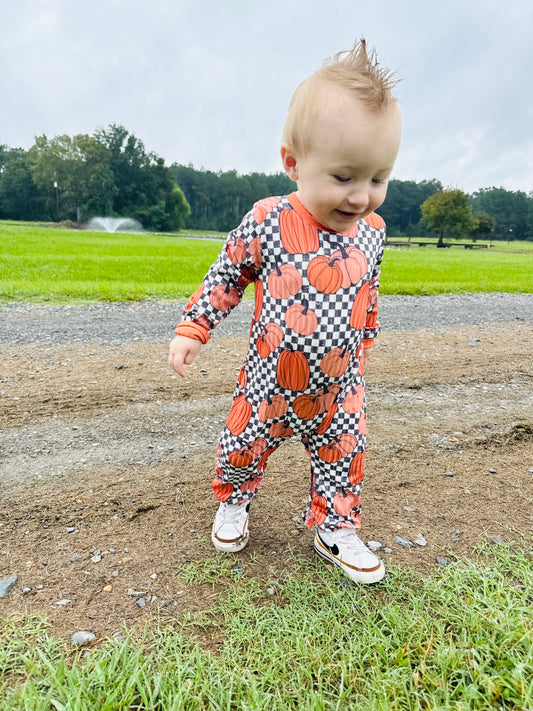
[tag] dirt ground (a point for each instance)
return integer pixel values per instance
(108, 456)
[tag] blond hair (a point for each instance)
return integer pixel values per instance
(354, 71)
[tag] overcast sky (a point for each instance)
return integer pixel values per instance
(208, 82)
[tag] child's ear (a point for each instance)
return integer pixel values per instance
(289, 162)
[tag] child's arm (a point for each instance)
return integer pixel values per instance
(182, 352)
(222, 287)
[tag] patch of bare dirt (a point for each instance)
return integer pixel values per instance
(107, 458)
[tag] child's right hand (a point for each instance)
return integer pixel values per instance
(182, 352)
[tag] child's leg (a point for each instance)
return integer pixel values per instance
(337, 465)
(337, 470)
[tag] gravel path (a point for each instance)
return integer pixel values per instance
(115, 323)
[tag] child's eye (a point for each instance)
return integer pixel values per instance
(341, 178)
(379, 181)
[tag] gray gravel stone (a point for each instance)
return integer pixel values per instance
(7, 585)
(374, 545)
(404, 542)
(114, 323)
(81, 637)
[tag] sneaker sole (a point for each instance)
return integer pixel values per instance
(233, 546)
(359, 575)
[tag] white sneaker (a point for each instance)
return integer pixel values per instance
(230, 527)
(347, 551)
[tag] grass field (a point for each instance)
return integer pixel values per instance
(459, 640)
(41, 264)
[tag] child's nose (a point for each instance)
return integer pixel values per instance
(358, 197)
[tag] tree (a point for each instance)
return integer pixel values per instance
(448, 211)
(486, 225)
(73, 175)
(19, 197)
(510, 208)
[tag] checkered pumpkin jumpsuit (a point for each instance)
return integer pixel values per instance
(315, 309)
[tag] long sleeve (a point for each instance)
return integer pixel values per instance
(223, 286)
(372, 327)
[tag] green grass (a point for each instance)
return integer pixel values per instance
(426, 271)
(41, 264)
(459, 640)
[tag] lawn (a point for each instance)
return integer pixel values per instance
(461, 639)
(42, 264)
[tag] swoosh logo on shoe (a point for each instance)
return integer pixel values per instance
(332, 549)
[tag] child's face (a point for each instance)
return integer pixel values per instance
(345, 174)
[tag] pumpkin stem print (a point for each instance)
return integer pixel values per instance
(284, 281)
(269, 339)
(301, 319)
(352, 263)
(224, 297)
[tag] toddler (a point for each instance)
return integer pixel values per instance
(314, 259)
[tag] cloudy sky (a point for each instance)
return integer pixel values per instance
(208, 82)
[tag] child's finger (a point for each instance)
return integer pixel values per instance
(175, 360)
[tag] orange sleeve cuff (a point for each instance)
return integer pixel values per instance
(368, 342)
(192, 329)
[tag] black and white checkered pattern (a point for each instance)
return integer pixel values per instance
(333, 331)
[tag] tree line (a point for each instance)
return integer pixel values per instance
(112, 173)
(78, 177)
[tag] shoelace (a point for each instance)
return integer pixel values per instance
(350, 540)
(231, 512)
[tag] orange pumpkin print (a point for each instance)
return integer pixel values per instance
(354, 399)
(359, 308)
(374, 220)
(284, 281)
(223, 490)
(272, 407)
(240, 457)
(319, 509)
(280, 429)
(326, 422)
(255, 252)
(352, 263)
(257, 447)
(330, 392)
(239, 415)
(292, 370)
(346, 443)
(297, 236)
(372, 318)
(258, 291)
(242, 378)
(307, 407)
(339, 447)
(345, 501)
(247, 277)
(325, 274)
(269, 339)
(263, 207)
(251, 485)
(236, 250)
(261, 464)
(335, 362)
(195, 298)
(301, 319)
(356, 473)
(224, 297)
